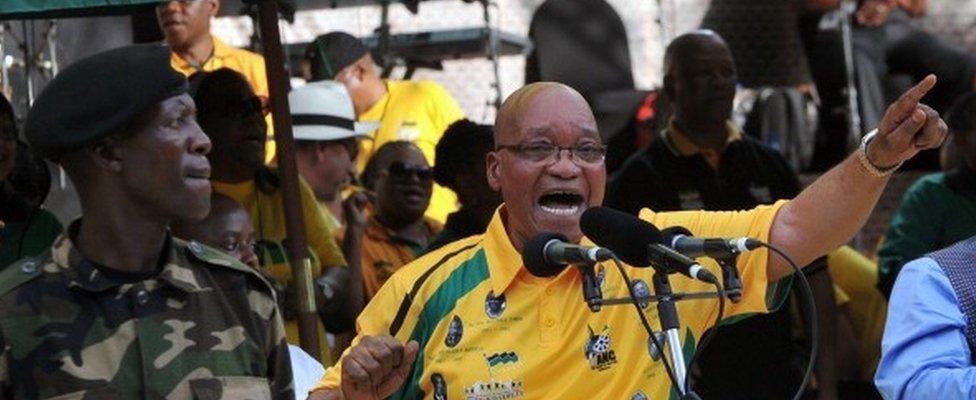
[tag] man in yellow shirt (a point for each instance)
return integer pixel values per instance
(468, 320)
(186, 26)
(417, 112)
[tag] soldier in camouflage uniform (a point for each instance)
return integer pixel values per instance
(118, 308)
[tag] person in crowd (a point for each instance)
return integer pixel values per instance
(927, 349)
(548, 165)
(460, 166)
(326, 143)
(702, 161)
(400, 181)
(117, 286)
(24, 183)
(418, 112)
(186, 28)
(232, 116)
(326, 147)
(939, 209)
(228, 228)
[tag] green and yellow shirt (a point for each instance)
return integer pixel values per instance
(489, 330)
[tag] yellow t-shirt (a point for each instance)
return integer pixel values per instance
(419, 112)
(268, 217)
(856, 277)
(249, 64)
(488, 329)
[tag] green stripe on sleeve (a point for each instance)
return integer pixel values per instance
(462, 281)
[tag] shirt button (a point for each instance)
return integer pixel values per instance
(550, 322)
(142, 296)
(548, 291)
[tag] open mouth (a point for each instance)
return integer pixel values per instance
(561, 203)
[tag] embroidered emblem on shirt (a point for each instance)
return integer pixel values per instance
(598, 350)
(409, 131)
(494, 306)
(499, 362)
(642, 292)
(440, 386)
(494, 390)
(454, 332)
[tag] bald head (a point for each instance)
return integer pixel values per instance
(699, 81)
(676, 55)
(532, 97)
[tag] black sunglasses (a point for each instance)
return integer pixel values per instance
(401, 171)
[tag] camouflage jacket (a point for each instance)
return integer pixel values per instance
(205, 327)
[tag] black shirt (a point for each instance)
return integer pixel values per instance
(749, 174)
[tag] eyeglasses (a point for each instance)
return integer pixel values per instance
(235, 246)
(403, 172)
(586, 153)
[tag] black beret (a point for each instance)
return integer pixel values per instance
(96, 96)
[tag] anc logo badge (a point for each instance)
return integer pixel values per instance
(598, 350)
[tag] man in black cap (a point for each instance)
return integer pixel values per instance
(118, 308)
(417, 112)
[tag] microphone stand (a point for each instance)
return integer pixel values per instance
(730, 277)
(591, 288)
(668, 315)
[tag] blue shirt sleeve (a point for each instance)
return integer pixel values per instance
(924, 354)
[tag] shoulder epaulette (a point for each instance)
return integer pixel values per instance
(20, 272)
(211, 256)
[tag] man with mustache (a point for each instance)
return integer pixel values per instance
(468, 320)
(118, 307)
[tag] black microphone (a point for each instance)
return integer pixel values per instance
(547, 254)
(637, 242)
(724, 252)
(681, 240)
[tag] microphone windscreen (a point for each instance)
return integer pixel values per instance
(534, 255)
(668, 234)
(622, 233)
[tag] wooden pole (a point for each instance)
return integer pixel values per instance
(278, 86)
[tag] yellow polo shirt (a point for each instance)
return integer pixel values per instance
(249, 64)
(489, 330)
(418, 112)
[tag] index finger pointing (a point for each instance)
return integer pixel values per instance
(915, 94)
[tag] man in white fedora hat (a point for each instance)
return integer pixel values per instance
(326, 146)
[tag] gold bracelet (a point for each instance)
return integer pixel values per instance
(867, 164)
